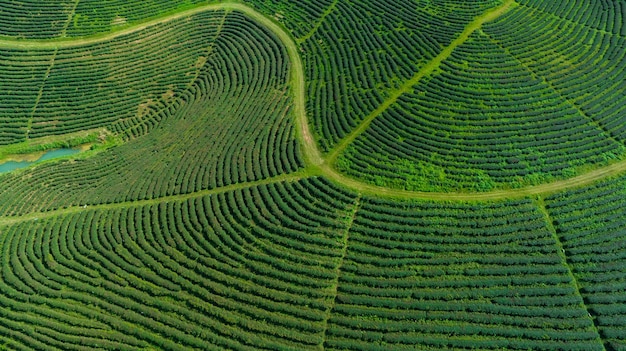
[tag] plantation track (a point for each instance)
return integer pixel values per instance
(547, 188)
(317, 164)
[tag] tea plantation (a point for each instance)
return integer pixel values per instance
(313, 175)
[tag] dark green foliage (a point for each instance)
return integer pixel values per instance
(226, 271)
(437, 275)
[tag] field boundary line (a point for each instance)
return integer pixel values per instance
(34, 216)
(429, 68)
(209, 50)
(29, 124)
(344, 250)
(70, 18)
(318, 23)
(541, 205)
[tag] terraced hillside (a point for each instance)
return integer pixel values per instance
(312, 175)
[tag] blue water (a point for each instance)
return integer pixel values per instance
(12, 165)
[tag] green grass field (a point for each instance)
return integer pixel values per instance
(314, 175)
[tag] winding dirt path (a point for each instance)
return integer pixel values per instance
(316, 164)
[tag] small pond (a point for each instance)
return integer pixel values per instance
(12, 165)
